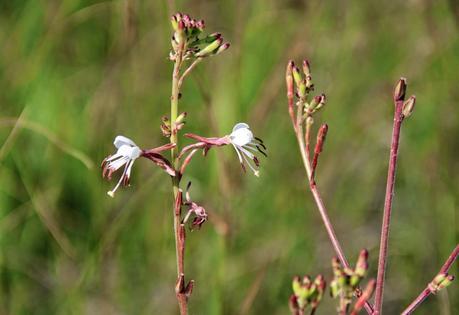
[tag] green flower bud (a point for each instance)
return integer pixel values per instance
(209, 49)
(408, 106)
(180, 118)
(355, 280)
(296, 285)
(446, 282)
(297, 76)
(174, 22)
(334, 289)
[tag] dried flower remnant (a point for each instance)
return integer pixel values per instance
(126, 155)
(200, 214)
(241, 138)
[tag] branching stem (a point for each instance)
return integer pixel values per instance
(427, 291)
(398, 119)
(188, 70)
(304, 144)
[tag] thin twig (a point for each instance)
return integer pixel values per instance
(428, 291)
(398, 119)
(187, 161)
(187, 71)
(305, 154)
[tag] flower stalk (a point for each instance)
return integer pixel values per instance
(179, 232)
(302, 123)
(187, 44)
(402, 109)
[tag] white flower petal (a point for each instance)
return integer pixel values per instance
(240, 125)
(115, 165)
(122, 140)
(114, 157)
(247, 152)
(241, 136)
(129, 152)
(128, 171)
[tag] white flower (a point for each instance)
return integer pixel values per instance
(245, 145)
(125, 156)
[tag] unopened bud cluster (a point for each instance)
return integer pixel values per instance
(346, 280)
(189, 41)
(306, 293)
(300, 81)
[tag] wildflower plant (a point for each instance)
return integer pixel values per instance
(302, 108)
(190, 46)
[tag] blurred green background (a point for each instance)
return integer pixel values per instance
(74, 74)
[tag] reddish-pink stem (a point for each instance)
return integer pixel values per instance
(304, 148)
(450, 261)
(398, 119)
(427, 291)
(187, 161)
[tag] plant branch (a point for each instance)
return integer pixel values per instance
(188, 70)
(428, 291)
(398, 119)
(305, 154)
(187, 161)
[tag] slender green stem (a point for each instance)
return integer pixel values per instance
(179, 241)
(174, 139)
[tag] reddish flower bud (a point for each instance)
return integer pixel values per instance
(400, 90)
(306, 68)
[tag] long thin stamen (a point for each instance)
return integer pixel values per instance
(238, 154)
(111, 193)
(255, 149)
(255, 172)
(246, 152)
